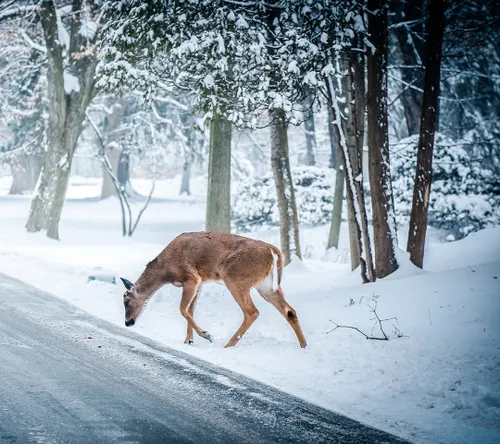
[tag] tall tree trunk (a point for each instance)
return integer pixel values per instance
(310, 131)
(186, 174)
(354, 85)
(123, 175)
(351, 161)
(280, 162)
(338, 194)
(334, 141)
(219, 176)
(384, 222)
(108, 188)
(113, 150)
(411, 11)
(338, 200)
(69, 91)
(25, 170)
(423, 176)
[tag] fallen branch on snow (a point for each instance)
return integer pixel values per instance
(378, 321)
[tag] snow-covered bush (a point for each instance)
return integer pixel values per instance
(461, 200)
(254, 203)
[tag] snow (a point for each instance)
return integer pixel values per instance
(439, 382)
(71, 83)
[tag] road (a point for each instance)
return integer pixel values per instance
(69, 377)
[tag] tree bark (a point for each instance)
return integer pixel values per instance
(25, 172)
(310, 131)
(334, 141)
(338, 194)
(186, 175)
(351, 160)
(338, 200)
(219, 176)
(384, 222)
(66, 113)
(114, 152)
(354, 86)
(411, 53)
(108, 188)
(423, 176)
(280, 162)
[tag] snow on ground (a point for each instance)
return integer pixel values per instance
(440, 382)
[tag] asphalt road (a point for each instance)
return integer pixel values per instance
(68, 377)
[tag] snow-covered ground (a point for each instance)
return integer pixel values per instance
(439, 382)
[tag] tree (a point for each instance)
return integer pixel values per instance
(384, 222)
(338, 195)
(111, 133)
(423, 176)
(218, 215)
(22, 106)
(71, 60)
(408, 31)
(310, 132)
(280, 161)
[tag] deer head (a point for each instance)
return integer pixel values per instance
(133, 302)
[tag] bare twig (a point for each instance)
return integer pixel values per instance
(357, 329)
(378, 321)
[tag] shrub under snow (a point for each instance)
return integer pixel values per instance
(255, 205)
(461, 200)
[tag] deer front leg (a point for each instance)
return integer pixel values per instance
(189, 336)
(189, 293)
(277, 298)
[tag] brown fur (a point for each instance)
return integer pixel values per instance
(194, 258)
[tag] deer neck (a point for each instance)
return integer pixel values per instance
(148, 284)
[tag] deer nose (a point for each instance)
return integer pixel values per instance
(129, 322)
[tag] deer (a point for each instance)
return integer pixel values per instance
(194, 258)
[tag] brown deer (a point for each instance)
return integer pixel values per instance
(192, 259)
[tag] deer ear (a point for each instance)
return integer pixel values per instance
(127, 283)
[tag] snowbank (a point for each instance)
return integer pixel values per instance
(439, 382)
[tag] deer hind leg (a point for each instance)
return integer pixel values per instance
(277, 298)
(241, 295)
(189, 335)
(190, 292)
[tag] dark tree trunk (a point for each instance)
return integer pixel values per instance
(411, 53)
(124, 169)
(384, 223)
(219, 176)
(66, 113)
(351, 161)
(354, 85)
(280, 162)
(310, 132)
(423, 176)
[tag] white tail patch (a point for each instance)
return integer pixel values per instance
(274, 271)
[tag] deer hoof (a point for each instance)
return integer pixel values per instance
(190, 342)
(208, 336)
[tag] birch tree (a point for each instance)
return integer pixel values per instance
(71, 62)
